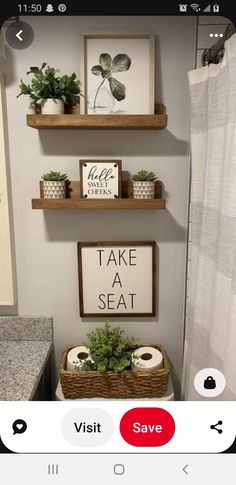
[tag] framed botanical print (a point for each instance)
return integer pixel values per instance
(117, 73)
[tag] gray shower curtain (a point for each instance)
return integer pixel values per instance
(211, 310)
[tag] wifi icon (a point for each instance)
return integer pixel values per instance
(195, 7)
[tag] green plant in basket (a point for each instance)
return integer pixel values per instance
(109, 349)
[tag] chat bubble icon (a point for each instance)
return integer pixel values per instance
(19, 426)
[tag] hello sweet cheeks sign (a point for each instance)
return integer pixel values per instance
(117, 278)
(100, 179)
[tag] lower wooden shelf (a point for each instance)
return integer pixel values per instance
(126, 202)
(99, 204)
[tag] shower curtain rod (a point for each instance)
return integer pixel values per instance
(215, 53)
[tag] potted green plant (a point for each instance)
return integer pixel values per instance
(54, 185)
(51, 90)
(144, 185)
(109, 349)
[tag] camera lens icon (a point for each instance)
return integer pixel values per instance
(62, 7)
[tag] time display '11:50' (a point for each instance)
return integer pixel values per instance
(33, 8)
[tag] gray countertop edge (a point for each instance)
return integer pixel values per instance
(26, 328)
(41, 372)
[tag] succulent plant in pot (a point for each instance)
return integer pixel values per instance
(54, 185)
(144, 185)
(51, 90)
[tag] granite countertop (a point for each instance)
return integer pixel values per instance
(21, 367)
(25, 346)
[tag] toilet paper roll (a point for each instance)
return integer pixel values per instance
(79, 355)
(147, 358)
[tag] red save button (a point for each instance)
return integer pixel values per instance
(147, 427)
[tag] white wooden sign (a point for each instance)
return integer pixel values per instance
(117, 278)
(100, 179)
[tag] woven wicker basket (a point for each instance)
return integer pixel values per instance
(127, 384)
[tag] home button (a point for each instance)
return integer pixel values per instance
(119, 469)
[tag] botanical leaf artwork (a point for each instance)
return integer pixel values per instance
(106, 67)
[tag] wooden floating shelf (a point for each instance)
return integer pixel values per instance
(158, 121)
(74, 201)
(99, 204)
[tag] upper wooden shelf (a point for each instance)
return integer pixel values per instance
(158, 121)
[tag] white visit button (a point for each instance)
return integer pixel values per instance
(87, 427)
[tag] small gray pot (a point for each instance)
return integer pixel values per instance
(143, 190)
(54, 189)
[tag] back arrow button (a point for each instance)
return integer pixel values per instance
(185, 469)
(18, 35)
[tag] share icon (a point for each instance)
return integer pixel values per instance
(214, 426)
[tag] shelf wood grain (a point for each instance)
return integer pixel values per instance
(157, 121)
(73, 189)
(99, 204)
(126, 202)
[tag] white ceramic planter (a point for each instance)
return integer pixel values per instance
(52, 107)
(143, 190)
(54, 189)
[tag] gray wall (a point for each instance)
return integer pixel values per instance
(46, 241)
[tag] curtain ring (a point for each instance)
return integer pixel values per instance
(205, 57)
(209, 56)
(227, 32)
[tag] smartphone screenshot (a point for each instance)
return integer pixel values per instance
(117, 244)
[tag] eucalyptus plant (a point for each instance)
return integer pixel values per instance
(46, 84)
(109, 349)
(106, 67)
